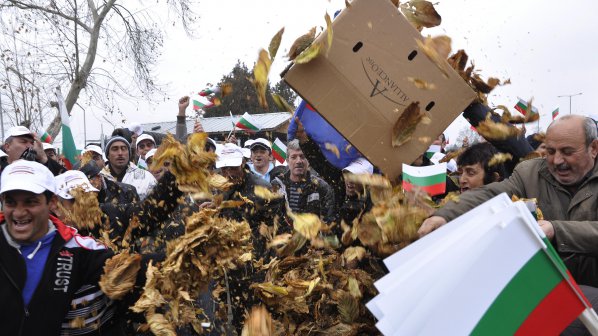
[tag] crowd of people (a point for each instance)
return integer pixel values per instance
(51, 260)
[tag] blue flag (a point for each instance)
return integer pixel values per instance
(321, 132)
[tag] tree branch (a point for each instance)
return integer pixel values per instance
(21, 5)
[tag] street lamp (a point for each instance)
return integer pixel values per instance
(571, 95)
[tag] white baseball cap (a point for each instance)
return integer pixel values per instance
(230, 155)
(145, 136)
(246, 152)
(248, 143)
(27, 175)
(47, 146)
(70, 180)
(17, 131)
(96, 149)
(360, 166)
(261, 142)
(150, 153)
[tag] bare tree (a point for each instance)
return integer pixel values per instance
(95, 49)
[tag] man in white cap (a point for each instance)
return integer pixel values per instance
(50, 151)
(144, 144)
(21, 143)
(43, 262)
(261, 158)
(120, 169)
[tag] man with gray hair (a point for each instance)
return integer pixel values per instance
(305, 193)
(564, 184)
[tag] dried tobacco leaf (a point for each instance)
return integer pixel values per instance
(85, 213)
(437, 50)
(421, 84)
(458, 61)
(301, 44)
(159, 325)
(499, 158)
(307, 224)
(265, 193)
(258, 323)
(332, 147)
(226, 89)
(374, 180)
(219, 182)
(275, 43)
(406, 124)
(260, 77)
(420, 14)
(281, 103)
(531, 155)
(496, 131)
(328, 31)
(313, 51)
(452, 155)
(348, 308)
(120, 273)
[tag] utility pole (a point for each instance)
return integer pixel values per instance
(571, 95)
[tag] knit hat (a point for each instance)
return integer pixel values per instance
(116, 138)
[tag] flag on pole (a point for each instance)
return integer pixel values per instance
(202, 104)
(431, 179)
(490, 271)
(209, 90)
(521, 106)
(46, 138)
(69, 151)
(248, 123)
(279, 150)
(555, 113)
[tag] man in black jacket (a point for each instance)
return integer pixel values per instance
(43, 262)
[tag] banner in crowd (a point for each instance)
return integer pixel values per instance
(490, 271)
(433, 149)
(322, 133)
(279, 150)
(431, 179)
(69, 151)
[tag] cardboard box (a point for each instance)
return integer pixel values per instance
(361, 85)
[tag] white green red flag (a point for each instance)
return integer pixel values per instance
(69, 151)
(248, 123)
(209, 90)
(555, 113)
(201, 104)
(522, 107)
(433, 149)
(431, 179)
(279, 150)
(45, 138)
(489, 272)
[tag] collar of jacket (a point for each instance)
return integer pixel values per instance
(544, 172)
(308, 177)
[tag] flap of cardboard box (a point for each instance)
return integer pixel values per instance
(361, 84)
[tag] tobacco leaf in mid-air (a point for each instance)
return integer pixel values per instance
(281, 103)
(313, 51)
(328, 31)
(421, 84)
(420, 14)
(332, 147)
(499, 158)
(437, 50)
(275, 43)
(120, 273)
(406, 124)
(496, 131)
(258, 323)
(301, 43)
(265, 193)
(260, 77)
(307, 224)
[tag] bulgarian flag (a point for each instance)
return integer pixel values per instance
(69, 151)
(46, 138)
(248, 123)
(521, 106)
(555, 113)
(279, 150)
(209, 90)
(202, 104)
(489, 272)
(433, 149)
(431, 179)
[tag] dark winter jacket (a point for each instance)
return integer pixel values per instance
(74, 262)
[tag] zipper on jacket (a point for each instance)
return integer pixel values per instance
(25, 310)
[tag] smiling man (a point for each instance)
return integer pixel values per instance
(565, 183)
(261, 158)
(43, 262)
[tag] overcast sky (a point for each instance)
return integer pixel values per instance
(547, 48)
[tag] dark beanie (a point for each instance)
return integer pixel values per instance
(113, 139)
(91, 169)
(533, 142)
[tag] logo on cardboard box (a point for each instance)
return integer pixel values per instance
(382, 83)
